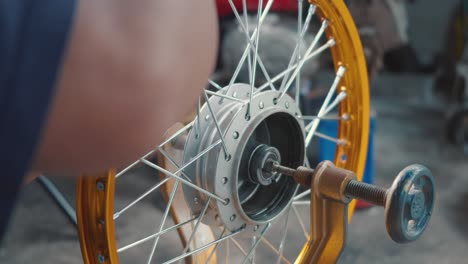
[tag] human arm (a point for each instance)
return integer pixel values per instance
(131, 69)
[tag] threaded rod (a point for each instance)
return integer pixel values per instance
(367, 192)
(276, 167)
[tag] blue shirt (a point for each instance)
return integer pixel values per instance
(33, 38)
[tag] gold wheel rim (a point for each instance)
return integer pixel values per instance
(348, 52)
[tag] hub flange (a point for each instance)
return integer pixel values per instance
(272, 132)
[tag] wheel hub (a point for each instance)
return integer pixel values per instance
(233, 168)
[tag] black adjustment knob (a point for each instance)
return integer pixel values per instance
(409, 203)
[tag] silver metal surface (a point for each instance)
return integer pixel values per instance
(248, 204)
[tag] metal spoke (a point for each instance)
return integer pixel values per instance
(166, 214)
(155, 235)
(215, 247)
(215, 85)
(307, 53)
(197, 131)
(227, 97)
(120, 173)
(176, 134)
(239, 246)
(307, 202)
(194, 229)
(301, 223)
(133, 164)
(302, 31)
(340, 97)
(252, 257)
(253, 46)
(332, 139)
(302, 195)
(345, 117)
(152, 189)
(270, 245)
(339, 74)
(299, 42)
(321, 118)
(328, 44)
(255, 58)
(168, 173)
(249, 57)
(226, 153)
(283, 238)
(180, 170)
(247, 49)
(204, 247)
(252, 249)
(174, 163)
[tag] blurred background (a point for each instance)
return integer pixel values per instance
(418, 68)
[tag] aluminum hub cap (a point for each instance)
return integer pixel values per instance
(233, 166)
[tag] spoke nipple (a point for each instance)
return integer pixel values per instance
(312, 8)
(100, 186)
(341, 71)
(341, 96)
(345, 117)
(342, 142)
